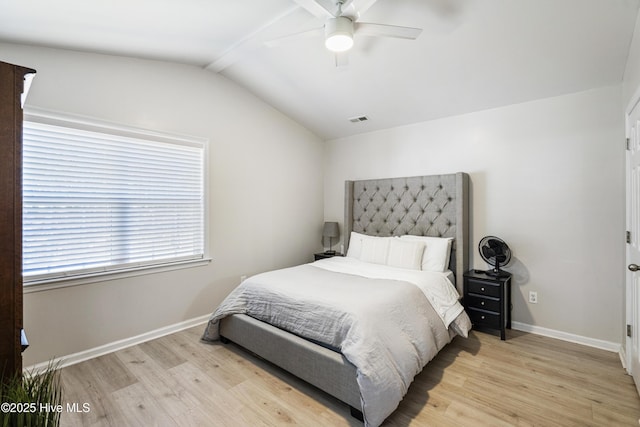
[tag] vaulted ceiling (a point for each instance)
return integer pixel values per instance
(471, 55)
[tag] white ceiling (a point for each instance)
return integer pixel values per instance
(471, 55)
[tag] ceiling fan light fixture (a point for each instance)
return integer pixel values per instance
(339, 34)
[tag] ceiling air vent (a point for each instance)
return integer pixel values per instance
(358, 119)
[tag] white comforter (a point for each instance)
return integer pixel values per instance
(388, 322)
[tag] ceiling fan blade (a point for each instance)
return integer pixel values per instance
(315, 8)
(292, 37)
(382, 30)
(342, 59)
(354, 9)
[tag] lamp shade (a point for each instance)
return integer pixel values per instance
(339, 34)
(330, 229)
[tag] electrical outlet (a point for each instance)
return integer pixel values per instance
(533, 297)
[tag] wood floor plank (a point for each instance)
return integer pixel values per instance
(527, 380)
(210, 394)
(163, 387)
(163, 353)
(142, 409)
(82, 384)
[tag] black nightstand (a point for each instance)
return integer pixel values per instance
(487, 300)
(322, 255)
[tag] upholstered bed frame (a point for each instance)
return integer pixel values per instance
(434, 205)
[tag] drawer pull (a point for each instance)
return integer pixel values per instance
(482, 289)
(482, 303)
(482, 317)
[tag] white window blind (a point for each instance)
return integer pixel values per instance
(96, 201)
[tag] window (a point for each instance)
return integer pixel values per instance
(99, 199)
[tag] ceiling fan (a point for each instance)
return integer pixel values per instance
(341, 26)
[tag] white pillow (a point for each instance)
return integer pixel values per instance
(355, 245)
(375, 249)
(368, 248)
(436, 253)
(405, 254)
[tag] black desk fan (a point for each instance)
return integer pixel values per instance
(495, 252)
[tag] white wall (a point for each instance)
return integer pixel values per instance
(265, 191)
(546, 176)
(631, 79)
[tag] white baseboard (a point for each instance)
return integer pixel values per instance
(72, 359)
(623, 359)
(91, 353)
(564, 336)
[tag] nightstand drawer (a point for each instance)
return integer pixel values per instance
(484, 318)
(483, 288)
(484, 303)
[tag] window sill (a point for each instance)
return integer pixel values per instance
(65, 282)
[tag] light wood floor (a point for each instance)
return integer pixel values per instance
(527, 380)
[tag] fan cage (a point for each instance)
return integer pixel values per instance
(492, 260)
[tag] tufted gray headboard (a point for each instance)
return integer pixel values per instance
(432, 205)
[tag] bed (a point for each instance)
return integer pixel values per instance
(315, 345)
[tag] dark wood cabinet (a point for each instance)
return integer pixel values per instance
(487, 300)
(12, 86)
